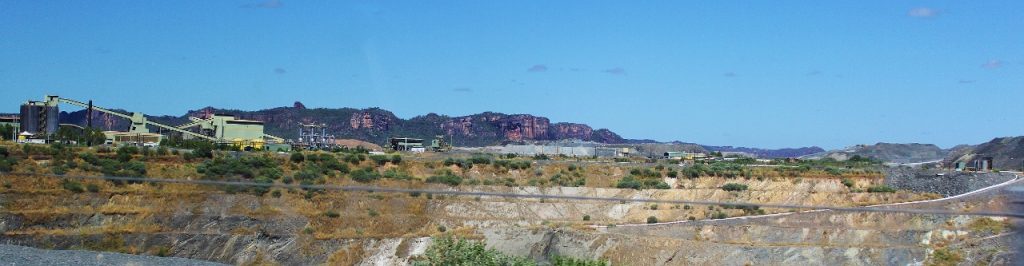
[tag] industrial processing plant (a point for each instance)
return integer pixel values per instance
(39, 122)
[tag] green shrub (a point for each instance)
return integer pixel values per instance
(734, 187)
(944, 256)
(332, 214)
(567, 261)
(447, 250)
(202, 151)
(629, 182)
(652, 220)
(372, 212)
(586, 217)
(848, 182)
(297, 157)
(634, 183)
(73, 186)
(396, 159)
(92, 188)
(480, 160)
(446, 178)
(397, 174)
(364, 175)
(881, 189)
(380, 159)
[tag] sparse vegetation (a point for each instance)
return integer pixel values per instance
(881, 189)
(734, 187)
(944, 257)
(73, 186)
(567, 261)
(448, 250)
(987, 225)
(447, 178)
(848, 182)
(647, 183)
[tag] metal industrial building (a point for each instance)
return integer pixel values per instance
(40, 118)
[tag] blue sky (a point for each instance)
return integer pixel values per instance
(745, 73)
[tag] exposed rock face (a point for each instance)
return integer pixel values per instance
(370, 120)
(524, 127)
(572, 131)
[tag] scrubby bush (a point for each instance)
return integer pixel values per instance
(445, 178)
(332, 214)
(629, 182)
(632, 182)
(567, 261)
(73, 186)
(586, 217)
(567, 180)
(734, 187)
(397, 174)
(480, 160)
(380, 159)
(364, 175)
(848, 182)
(447, 250)
(881, 189)
(652, 220)
(396, 159)
(297, 157)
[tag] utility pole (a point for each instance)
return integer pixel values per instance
(88, 123)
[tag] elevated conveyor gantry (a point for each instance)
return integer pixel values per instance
(139, 121)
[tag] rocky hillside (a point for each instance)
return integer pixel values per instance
(888, 152)
(1007, 153)
(655, 147)
(769, 153)
(376, 125)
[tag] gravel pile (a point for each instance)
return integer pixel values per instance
(945, 183)
(20, 255)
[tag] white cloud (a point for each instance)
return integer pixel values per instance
(992, 64)
(922, 12)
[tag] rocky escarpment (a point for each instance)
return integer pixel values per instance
(376, 125)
